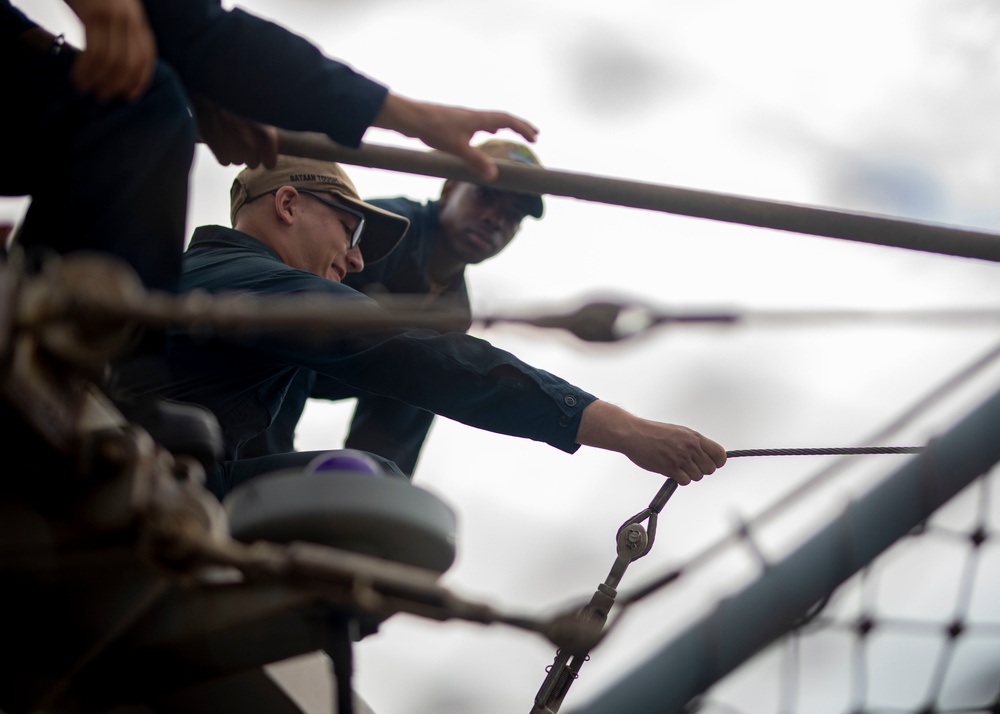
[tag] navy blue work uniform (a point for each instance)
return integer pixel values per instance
(244, 381)
(112, 175)
(381, 425)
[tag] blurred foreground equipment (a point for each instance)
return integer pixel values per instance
(128, 588)
(125, 587)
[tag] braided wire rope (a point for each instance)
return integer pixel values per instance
(826, 451)
(859, 684)
(626, 600)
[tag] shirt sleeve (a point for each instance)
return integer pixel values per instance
(456, 375)
(12, 21)
(260, 70)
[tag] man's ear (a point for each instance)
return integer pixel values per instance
(285, 201)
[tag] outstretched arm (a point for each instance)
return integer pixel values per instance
(235, 140)
(449, 129)
(120, 52)
(277, 78)
(674, 451)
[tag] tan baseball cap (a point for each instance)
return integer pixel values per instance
(515, 151)
(383, 230)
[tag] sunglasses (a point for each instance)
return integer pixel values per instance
(356, 236)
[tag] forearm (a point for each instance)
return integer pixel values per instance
(604, 426)
(467, 380)
(401, 115)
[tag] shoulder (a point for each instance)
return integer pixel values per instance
(223, 259)
(401, 205)
(423, 223)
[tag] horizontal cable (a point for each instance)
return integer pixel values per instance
(829, 451)
(797, 218)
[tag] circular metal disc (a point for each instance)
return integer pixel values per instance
(382, 516)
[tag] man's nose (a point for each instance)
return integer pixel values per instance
(355, 263)
(493, 216)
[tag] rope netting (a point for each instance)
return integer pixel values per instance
(892, 606)
(918, 631)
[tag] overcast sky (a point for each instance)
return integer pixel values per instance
(887, 107)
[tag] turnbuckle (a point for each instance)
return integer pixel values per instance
(633, 541)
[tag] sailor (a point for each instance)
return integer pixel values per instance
(300, 228)
(102, 140)
(468, 224)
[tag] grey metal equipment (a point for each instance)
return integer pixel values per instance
(355, 507)
(162, 598)
(123, 584)
(379, 515)
(633, 542)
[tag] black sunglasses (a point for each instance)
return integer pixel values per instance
(356, 237)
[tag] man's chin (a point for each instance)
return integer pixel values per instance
(475, 252)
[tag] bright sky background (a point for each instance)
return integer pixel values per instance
(887, 107)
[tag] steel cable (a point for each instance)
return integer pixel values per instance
(826, 451)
